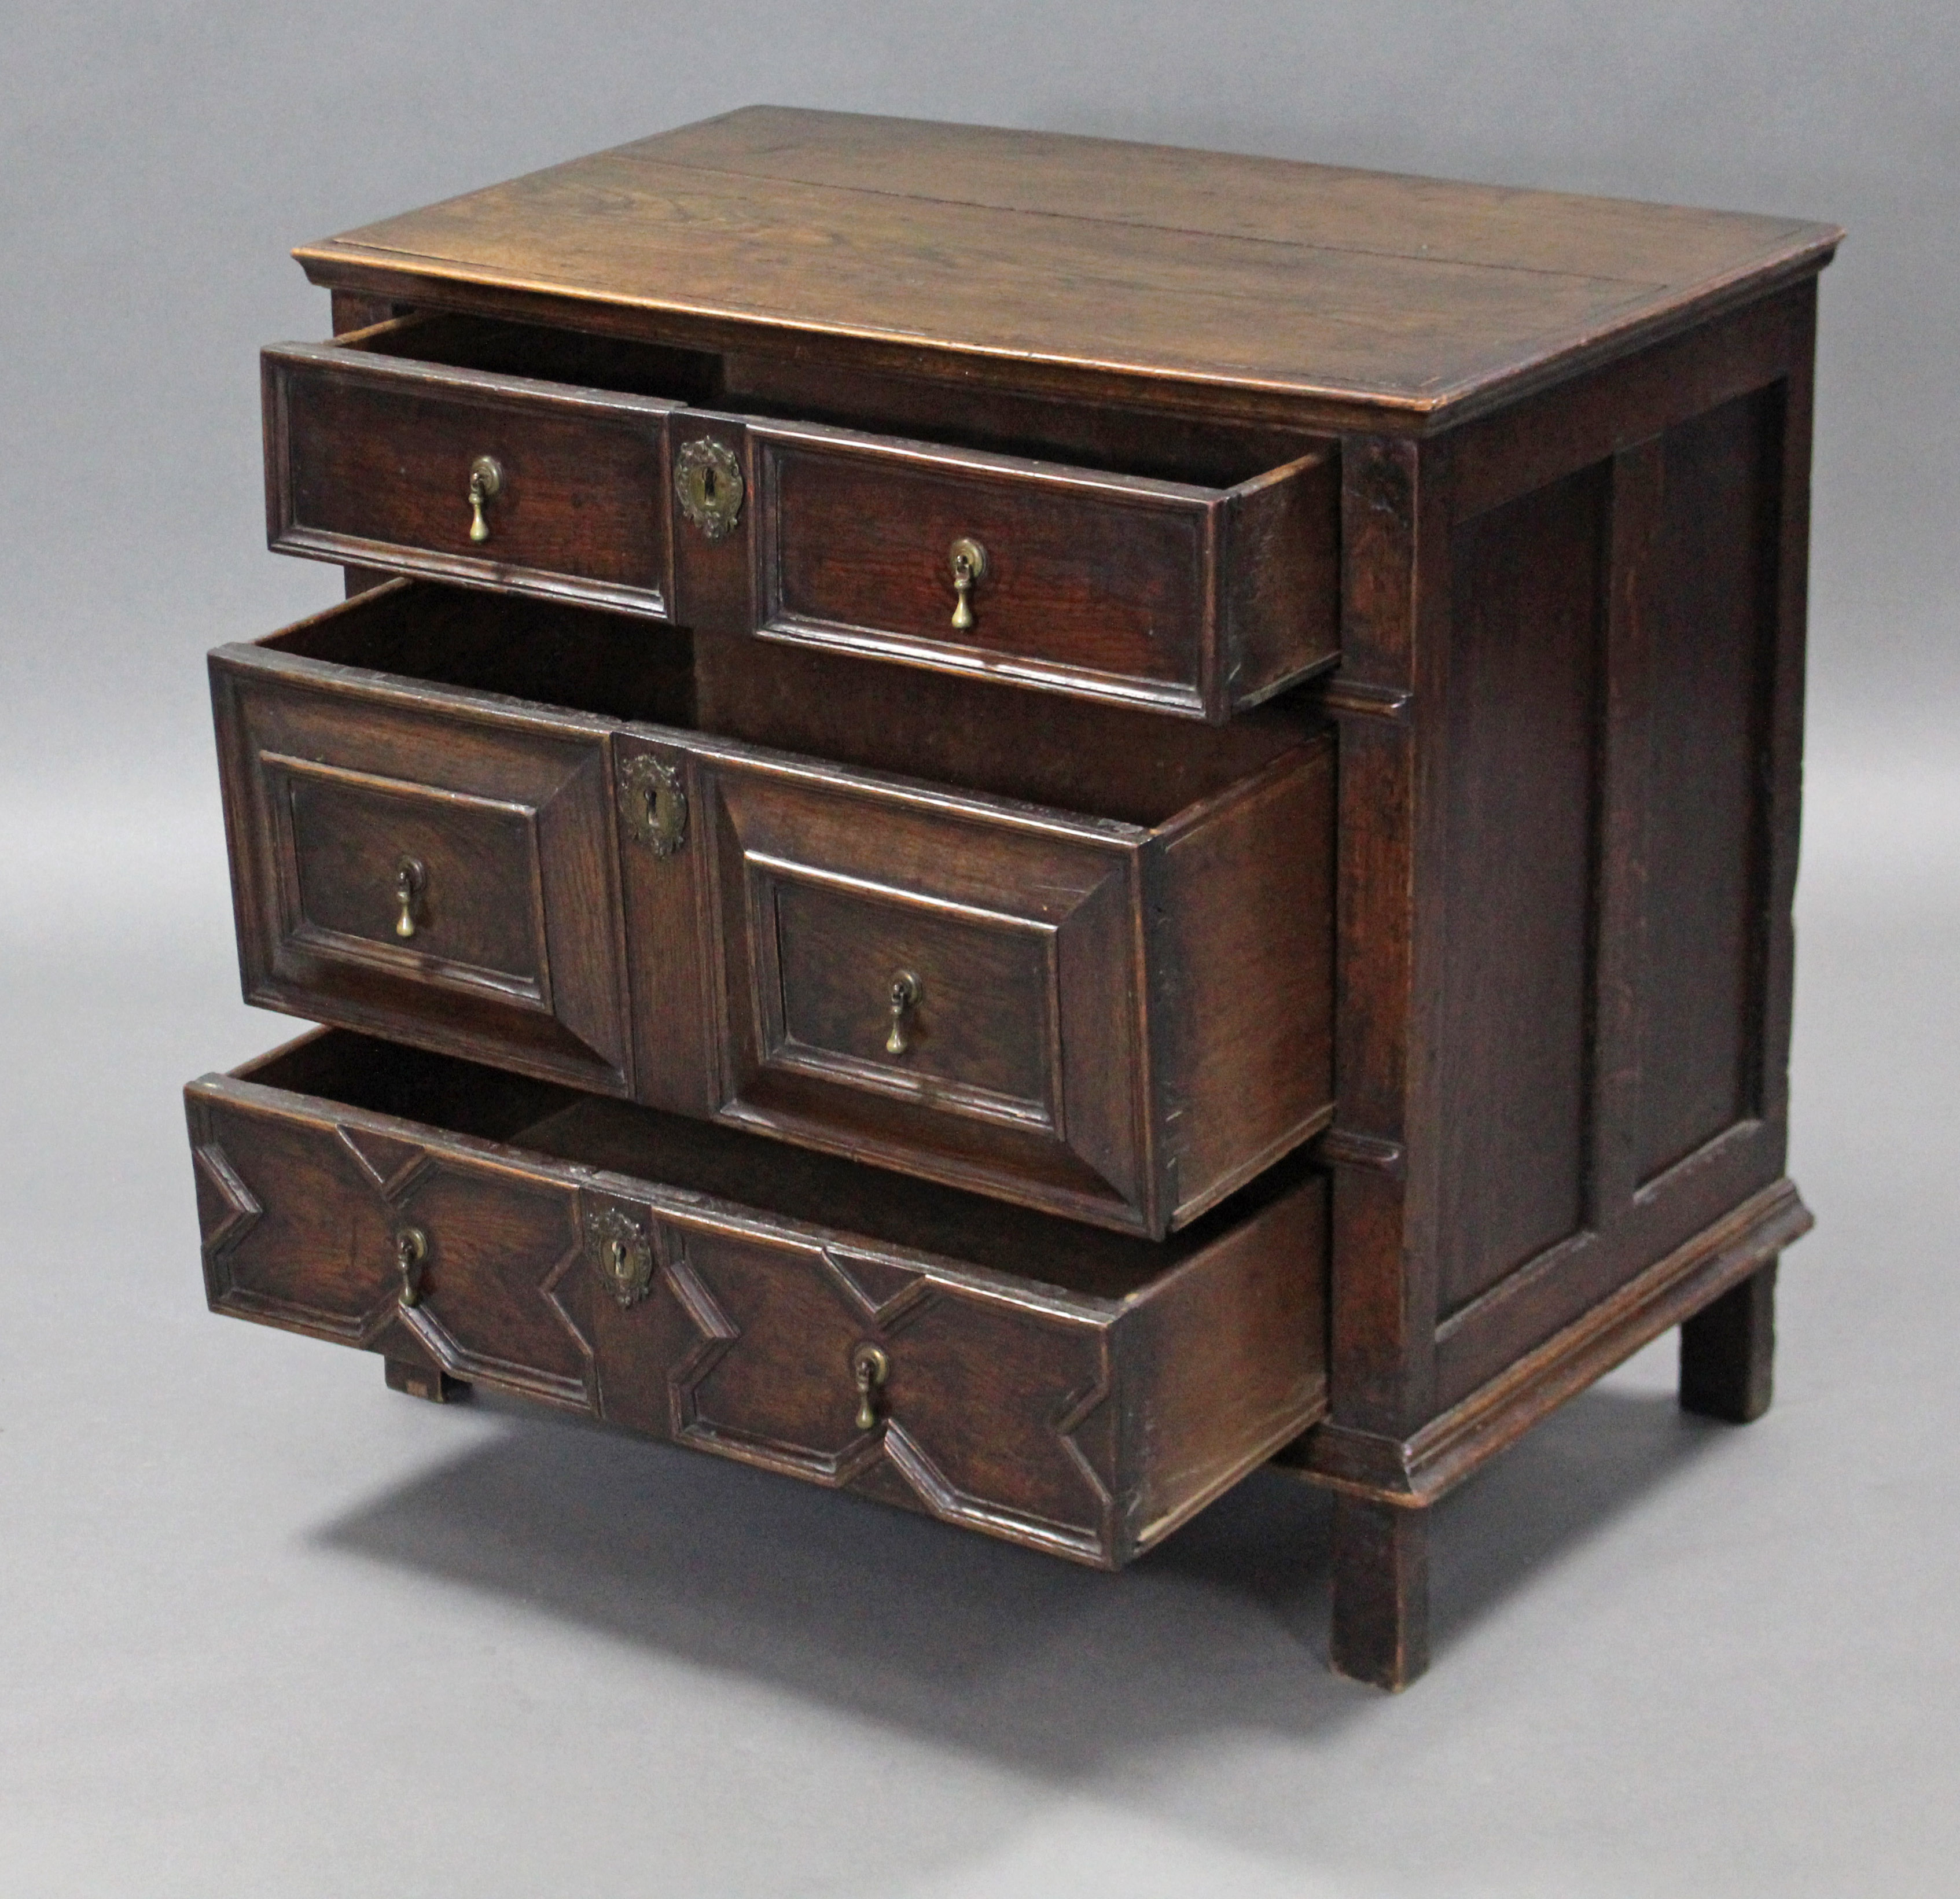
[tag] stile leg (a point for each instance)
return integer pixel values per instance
(1381, 1591)
(423, 1381)
(1728, 1349)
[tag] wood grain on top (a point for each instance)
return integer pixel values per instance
(1086, 256)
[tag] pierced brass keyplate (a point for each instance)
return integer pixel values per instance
(708, 479)
(653, 803)
(621, 1255)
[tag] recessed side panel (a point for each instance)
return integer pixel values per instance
(1528, 581)
(1699, 987)
(1699, 709)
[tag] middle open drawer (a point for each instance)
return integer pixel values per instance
(1070, 955)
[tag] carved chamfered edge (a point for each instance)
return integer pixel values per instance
(1358, 699)
(1450, 1447)
(1343, 1147)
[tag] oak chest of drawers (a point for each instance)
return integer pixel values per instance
(1017, 823)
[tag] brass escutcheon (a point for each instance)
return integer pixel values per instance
(486, 478)
(410, 878)
(411, 1255)
(905, 993)
(653, 803)
(708, 479)
(621, 1255)
(869, 1368)
(968, 559)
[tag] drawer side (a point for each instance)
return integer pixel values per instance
(1242, 918)
(1224, 1361)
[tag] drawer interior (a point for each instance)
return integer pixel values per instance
(1100, 760)
(1164, 446)
(560, 1124)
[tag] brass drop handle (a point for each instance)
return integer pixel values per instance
(486, 478)
(411, 1255)
(906, 990)
(410, 878)
(869, 1368)
(968, 560)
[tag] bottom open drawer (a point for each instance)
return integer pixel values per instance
(1074, 1390)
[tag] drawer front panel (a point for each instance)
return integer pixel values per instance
(371, 460)
(1116, 1022)
(304, 1219)
(298, 1228)
(833, 950)
(438, 884)
(956, 995)
(1084, 1424)
(1186, 598)
(445, 883)
(1098, 577)
(499, 1246)
(983, 1414)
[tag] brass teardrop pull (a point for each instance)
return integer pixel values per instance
(410, 879)
(906, 990)
(411, 1255)
(869, 1368)
(486, 479)
(968, 561)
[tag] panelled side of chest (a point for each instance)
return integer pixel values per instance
(1572, 702)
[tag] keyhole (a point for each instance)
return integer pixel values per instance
(708, 485)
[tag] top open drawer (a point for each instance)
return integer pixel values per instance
(1189, 568)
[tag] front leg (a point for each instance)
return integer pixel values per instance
(1728, 1349)
(1380, 1591)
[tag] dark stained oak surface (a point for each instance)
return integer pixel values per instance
(1384, 702)
(1407, 293)
(1204, 589)
(1073, 1392)
(1120, 1021)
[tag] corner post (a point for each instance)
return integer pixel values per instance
(1390, 698)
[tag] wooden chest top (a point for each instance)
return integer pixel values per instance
(1069, 262)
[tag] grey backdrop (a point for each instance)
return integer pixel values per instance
(264, 1626)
